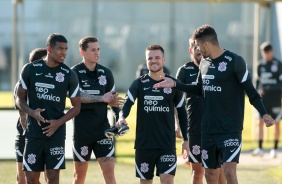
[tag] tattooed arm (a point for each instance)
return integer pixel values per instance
(89, 98)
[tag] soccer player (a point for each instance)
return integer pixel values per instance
(155, 128)
(269, 85)
(222, 81)
(46, 84)
(38, 53)
(97, 88)
(187, 74)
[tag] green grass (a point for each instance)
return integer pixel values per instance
(125, 169)
(125, 174)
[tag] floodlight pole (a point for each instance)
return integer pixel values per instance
(14, 46)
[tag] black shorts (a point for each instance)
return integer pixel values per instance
(40, 152)
(273, 106)
(146, 160)
(220, 148)
(101, 148)
(19, 147)
(195, 148)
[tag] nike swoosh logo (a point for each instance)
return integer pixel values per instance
(59, 157)
(147, 88)
(84, 80)
(233, 150)
(170, 164)
(38, 74)
(193, 74)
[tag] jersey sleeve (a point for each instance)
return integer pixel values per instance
(24, 77)
(110, 82)
(181, 111)
(241, 69)
(111, 87)
(73, 88)
(180, 74)
(130, 98)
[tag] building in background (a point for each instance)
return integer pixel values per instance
(124, 29)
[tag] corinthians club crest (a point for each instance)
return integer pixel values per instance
(222, 66)
(102, 80)
(60, 77)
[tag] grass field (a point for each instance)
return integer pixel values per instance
(125, 171)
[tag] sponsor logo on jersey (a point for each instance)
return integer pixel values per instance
(31, 158)
(222, 66)
(102, 80)
(153, 97)
(155, 90)
(208, 76)
(144, 167)
(49, 75)
(84, 150)
(42, 89)
(146, 88)
(44, 85)
(107, 141)
(196, 150)
(66, 70)
(37, 64)
(151, 104)
(228, 58)
(60, 77)
(167, 90)
(38, 74)
(81, 71)
(101, 70)
(146, 80)
(84, 81)
(57, 151)
(231, 142)
(205, 155)
(91, 92)
(211, 65)
(168, 158)
(189, 67)
(208, 87)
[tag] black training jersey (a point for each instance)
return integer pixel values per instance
(270, 79)
(188, 74)
(155, 127)
(92, 119)
(224, 95)
(47, 89)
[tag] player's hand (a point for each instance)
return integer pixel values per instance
(185, 149)
(167, 83)
(36, 115)
(121, 121)
(108, 97)
(269, 121)
(117, 101)
(52, 128)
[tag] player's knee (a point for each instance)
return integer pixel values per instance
(211, 174)
(21, 179)
(166, 179)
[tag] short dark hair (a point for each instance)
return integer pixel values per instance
(83, 42)
(55, 37)
(191, 42)
(155, 47)
(37, 53)
(206, 33)
(265, 47)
